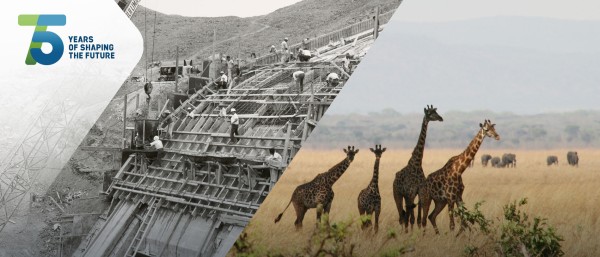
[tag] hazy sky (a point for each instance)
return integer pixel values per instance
(241, 8)
(444, 10)
(524, 57)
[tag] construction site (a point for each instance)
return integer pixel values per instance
(194, 196)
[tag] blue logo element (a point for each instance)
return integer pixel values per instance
(41, 35)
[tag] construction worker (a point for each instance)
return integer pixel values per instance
(148, 90)
(165, 122)
(158, 145)
(299, 79)
(304, 55)
(229, 68)
(235, 122)
(305, 44)
(273, 50)
(333, 79)
(275, 158)
(223, 110)
(222, 81)
(347, 64)
(285, 50)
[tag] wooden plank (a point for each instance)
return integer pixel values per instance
(101, 148)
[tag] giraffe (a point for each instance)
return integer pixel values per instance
(369, 200)
(445, 186)
(318, 191)
(410, 177)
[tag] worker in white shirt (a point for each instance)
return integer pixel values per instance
(222, 81)
(235, 122)
(156, 143)
(333, 79)
(299, 79)
(275, 158)
(285, 50)
(158, 146)
(304, 55)
(230, 64)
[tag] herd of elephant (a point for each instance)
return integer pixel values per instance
(572, 159)
(509, 160)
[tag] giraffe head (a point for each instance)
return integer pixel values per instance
(431, 114)
(378, 151)
(350, 152)
(488, 129)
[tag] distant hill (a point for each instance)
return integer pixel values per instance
(524, 65)
(194, 35)
(394, 129)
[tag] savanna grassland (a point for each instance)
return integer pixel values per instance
(569, 197)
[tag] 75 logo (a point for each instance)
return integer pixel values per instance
(41, 35)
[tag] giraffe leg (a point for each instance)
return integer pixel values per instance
(362, 212)
(410, 211)
(319, 212)
(451, 214)
(398, 198)
(463, 225)
(327, 207)
(419, 209)
(439, 206)
(377, 212)
(425, 203)
(323, 208)
(300, 212)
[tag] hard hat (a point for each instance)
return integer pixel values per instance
(286, 39)
(222, 72)
(233, 109)
(155, 138)
(167, 111)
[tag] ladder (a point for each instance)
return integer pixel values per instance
(143, 229)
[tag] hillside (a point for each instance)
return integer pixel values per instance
(524, 65)
(580, 129)
(194, 35)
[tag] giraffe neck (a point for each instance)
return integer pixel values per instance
(375, 179)
(416, 158)
(465, 158)
(336, 171)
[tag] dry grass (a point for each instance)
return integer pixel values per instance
(569, 197)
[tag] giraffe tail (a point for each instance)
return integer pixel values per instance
(281, 214)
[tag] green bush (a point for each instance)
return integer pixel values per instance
(517, 235)
(522, 237)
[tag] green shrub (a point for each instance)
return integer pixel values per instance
(517, 236)
(522, 237)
